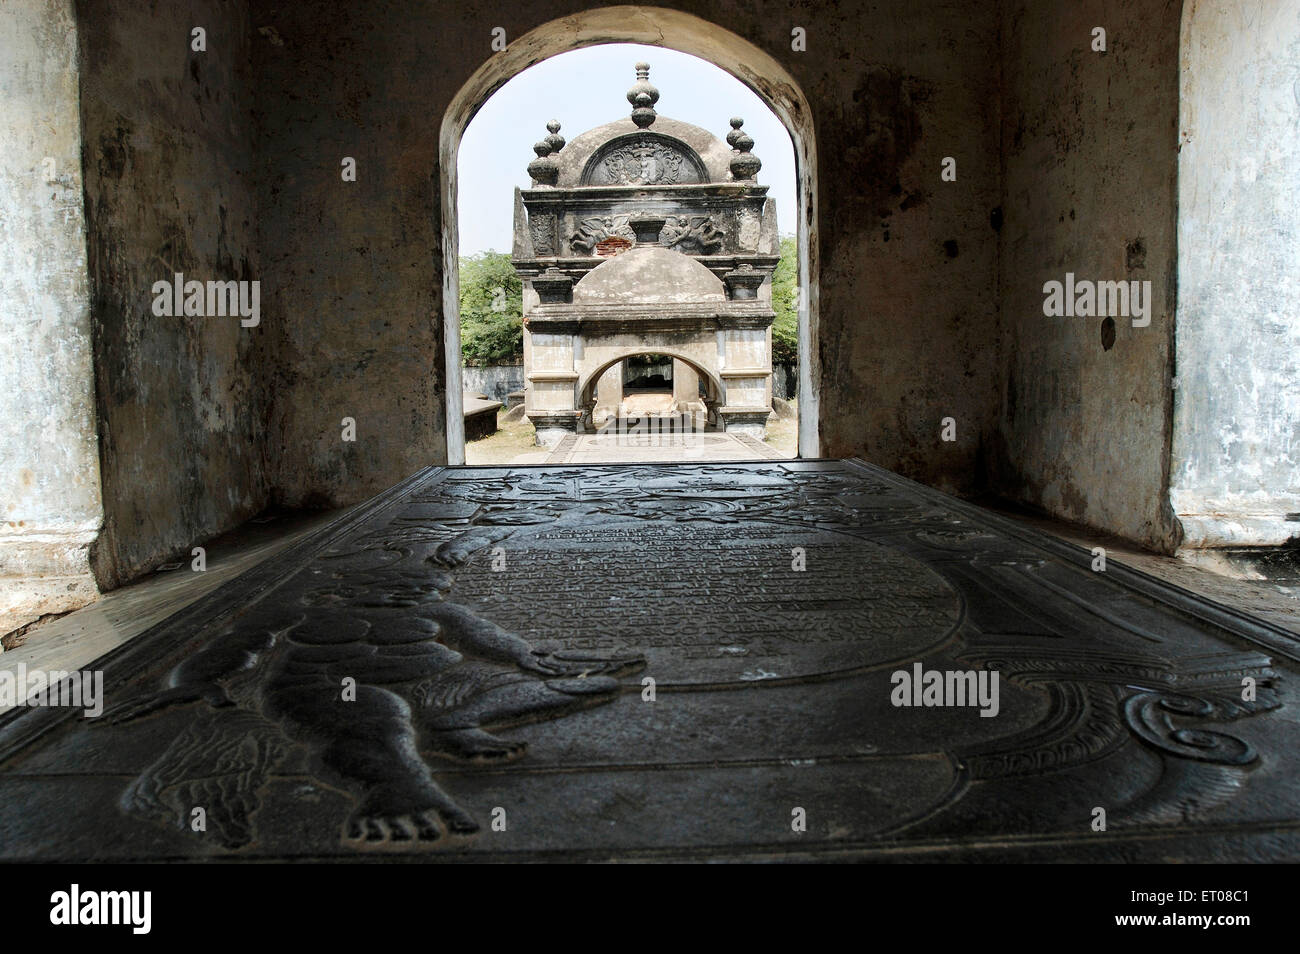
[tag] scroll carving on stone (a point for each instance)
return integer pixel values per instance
(645, 159)
(594, 230)
(1172, 722)
(694, 235)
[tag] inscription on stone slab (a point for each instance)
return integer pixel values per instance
(716, 604)
(496, 623)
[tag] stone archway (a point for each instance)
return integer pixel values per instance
(710, 378)
(675, 30)
(595, 394)
(649, 299)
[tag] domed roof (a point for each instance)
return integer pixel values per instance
(649, 275)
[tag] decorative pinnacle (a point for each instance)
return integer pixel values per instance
(554, 140)
(744, 165)
(643, 97)
(544, 169)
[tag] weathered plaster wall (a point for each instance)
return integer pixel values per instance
(49, 475)
(1236, 449)
(909, 325)
(354, 268)
(1089, 141)
(907, 293)
(167, 163)
(225, 164)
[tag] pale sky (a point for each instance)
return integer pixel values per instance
(587, 88)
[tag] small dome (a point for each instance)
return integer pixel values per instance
(647, 276)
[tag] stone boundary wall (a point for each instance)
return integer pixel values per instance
(494, 380)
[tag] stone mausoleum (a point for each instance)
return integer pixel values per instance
(646, 236)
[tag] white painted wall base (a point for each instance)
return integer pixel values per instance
(1235, 468)
(50, 504)
(1239, 520)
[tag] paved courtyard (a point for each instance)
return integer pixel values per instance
(659, 448)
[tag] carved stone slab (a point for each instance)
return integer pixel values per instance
(671, 661)
(644, 159)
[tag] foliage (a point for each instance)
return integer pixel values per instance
(785, 302)
(491, 310)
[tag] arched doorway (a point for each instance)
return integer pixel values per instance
(659, 27)
(693, 409)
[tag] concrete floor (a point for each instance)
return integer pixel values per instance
(771, 688)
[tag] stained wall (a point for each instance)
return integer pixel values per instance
(181, 401)
(1236, 446)
(1089, 176)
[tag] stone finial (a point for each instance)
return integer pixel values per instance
(643, 96)
(554, 140)
(544, 170)
(744, 165)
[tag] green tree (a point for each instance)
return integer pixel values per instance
(491, 310)
(785, 302)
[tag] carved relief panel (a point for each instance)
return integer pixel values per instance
(644, 159)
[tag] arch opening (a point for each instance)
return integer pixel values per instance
(668, 29)
(690, 403)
